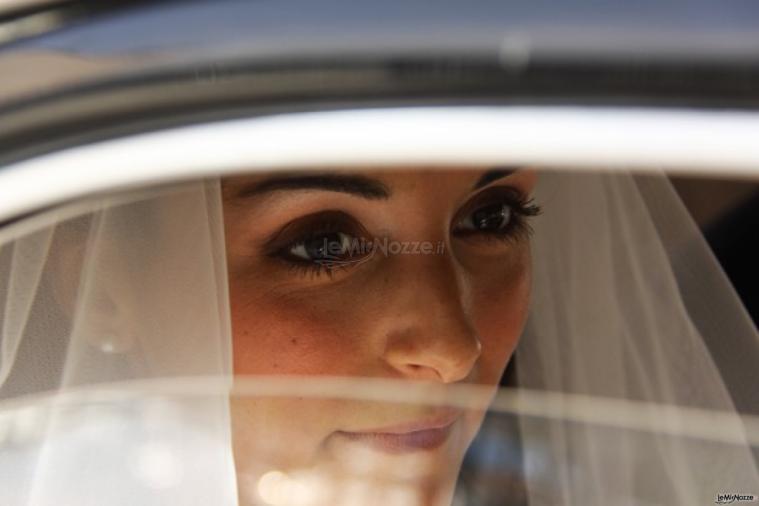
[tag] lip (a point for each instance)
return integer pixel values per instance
(419, 435)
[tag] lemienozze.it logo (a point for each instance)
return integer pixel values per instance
(735, 498)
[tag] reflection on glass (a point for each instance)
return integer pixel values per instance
(329, 337)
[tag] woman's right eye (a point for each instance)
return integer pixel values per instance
(322, 242)
(324, 247)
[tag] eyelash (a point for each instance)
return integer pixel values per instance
(305, 268)
(521, 208)
(338, 222)
(323, 223)
(313, 270)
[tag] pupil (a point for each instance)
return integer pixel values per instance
(324, 246)
(489, 217)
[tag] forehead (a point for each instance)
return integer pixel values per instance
(370, 182)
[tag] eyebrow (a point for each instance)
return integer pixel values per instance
(352, 184)
(361, 186)
(492, 175)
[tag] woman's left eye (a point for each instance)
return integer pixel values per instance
(498, 212)
(489, 218)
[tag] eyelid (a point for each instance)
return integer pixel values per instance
(490, 195)
(304, 227)
(518, 228)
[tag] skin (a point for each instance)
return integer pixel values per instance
(448, 318)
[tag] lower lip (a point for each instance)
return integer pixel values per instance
(388, 442)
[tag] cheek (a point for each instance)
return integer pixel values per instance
(289, 335)
(500, 306)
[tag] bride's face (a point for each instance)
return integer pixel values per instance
(418, 275)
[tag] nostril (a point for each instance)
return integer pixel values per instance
(423, 372)
(444, 357)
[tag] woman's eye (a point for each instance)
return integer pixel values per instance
(488, 218)
(496, 213)
(321, 243)
(323, 248)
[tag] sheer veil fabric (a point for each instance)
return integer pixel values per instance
(628, 304)
(117, 289)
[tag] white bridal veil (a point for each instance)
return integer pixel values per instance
(630, 304)
(629, 378)
(123, 288)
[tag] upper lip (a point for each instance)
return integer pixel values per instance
(437, 420)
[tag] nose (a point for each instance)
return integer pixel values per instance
(428, 333)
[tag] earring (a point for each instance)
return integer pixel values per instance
(112, 342)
